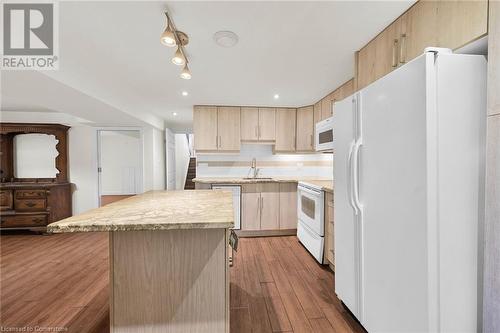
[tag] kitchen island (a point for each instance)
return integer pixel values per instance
(168, 259)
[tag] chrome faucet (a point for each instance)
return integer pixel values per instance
(254, 168)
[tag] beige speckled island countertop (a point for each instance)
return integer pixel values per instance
(326, 184)
(155, 210)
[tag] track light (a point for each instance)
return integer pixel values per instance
(178, 58)
(172, 37)
(167, 37)
(186, 73)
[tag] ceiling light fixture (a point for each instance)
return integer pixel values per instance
(175, 114)
(172, 37)
(178, 58)
(276, 96)
(184, 93)
(186, 73)
(167, 37)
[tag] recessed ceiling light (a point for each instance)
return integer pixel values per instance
(225, 38)
(175, 114)
(184, 93)
(276, 96)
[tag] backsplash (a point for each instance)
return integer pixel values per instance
(238, 165)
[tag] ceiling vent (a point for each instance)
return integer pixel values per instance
(226, 38)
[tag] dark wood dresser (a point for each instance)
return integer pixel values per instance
(32, 203)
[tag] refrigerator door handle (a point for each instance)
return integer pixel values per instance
(355, 177)
(350, 179)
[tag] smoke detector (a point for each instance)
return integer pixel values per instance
(225, 38)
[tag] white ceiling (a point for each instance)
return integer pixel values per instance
(110, 51)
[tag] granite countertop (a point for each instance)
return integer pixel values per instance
(155, 210)
(326, 184)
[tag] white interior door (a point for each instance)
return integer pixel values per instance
(346, 260)
(120, 162)
(392, 191)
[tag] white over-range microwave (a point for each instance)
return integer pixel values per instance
(324, 135)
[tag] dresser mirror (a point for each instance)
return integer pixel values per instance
(34, 155)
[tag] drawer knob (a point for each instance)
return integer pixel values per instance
(30, 204)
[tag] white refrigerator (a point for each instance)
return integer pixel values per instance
(408, 199)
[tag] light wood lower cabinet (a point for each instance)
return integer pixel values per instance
(288, 206)
(329, 251)
(250, 207)
(269, 206)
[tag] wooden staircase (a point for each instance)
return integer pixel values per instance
(191, 174)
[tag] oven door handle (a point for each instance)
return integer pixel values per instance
(350, 180)
(307, 190)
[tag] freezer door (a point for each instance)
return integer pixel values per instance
(345, 233)
(392, 190)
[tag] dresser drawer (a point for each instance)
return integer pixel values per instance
(30, 194)
(23, 221)
(30, 204)
(6, 199)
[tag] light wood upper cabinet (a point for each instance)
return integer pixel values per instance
(269, 207)
(288, 206)
(421, 28)
(228, 124)
(205, 128)
(258, 124)
(216, 128)
(249, 124)
(450, 24)
(326, 107)
(366, 65)
(317, 112)
(460, 22)
(285, 129)
(305, 129)
(267, 124)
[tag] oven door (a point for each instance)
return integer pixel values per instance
(310, 209)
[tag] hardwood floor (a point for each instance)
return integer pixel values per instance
(62, 281)
(55, 281)
(276, 286)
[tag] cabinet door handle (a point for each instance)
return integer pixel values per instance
(256, 131)
(30, 204)
(394, 54)
(216, 141)
(220, 141)
(261, 203)
(312, 141)
(402, 49)
(259, 132)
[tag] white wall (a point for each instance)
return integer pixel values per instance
(154, 159)
(286, 165)
(82, 143)
(181, 160)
